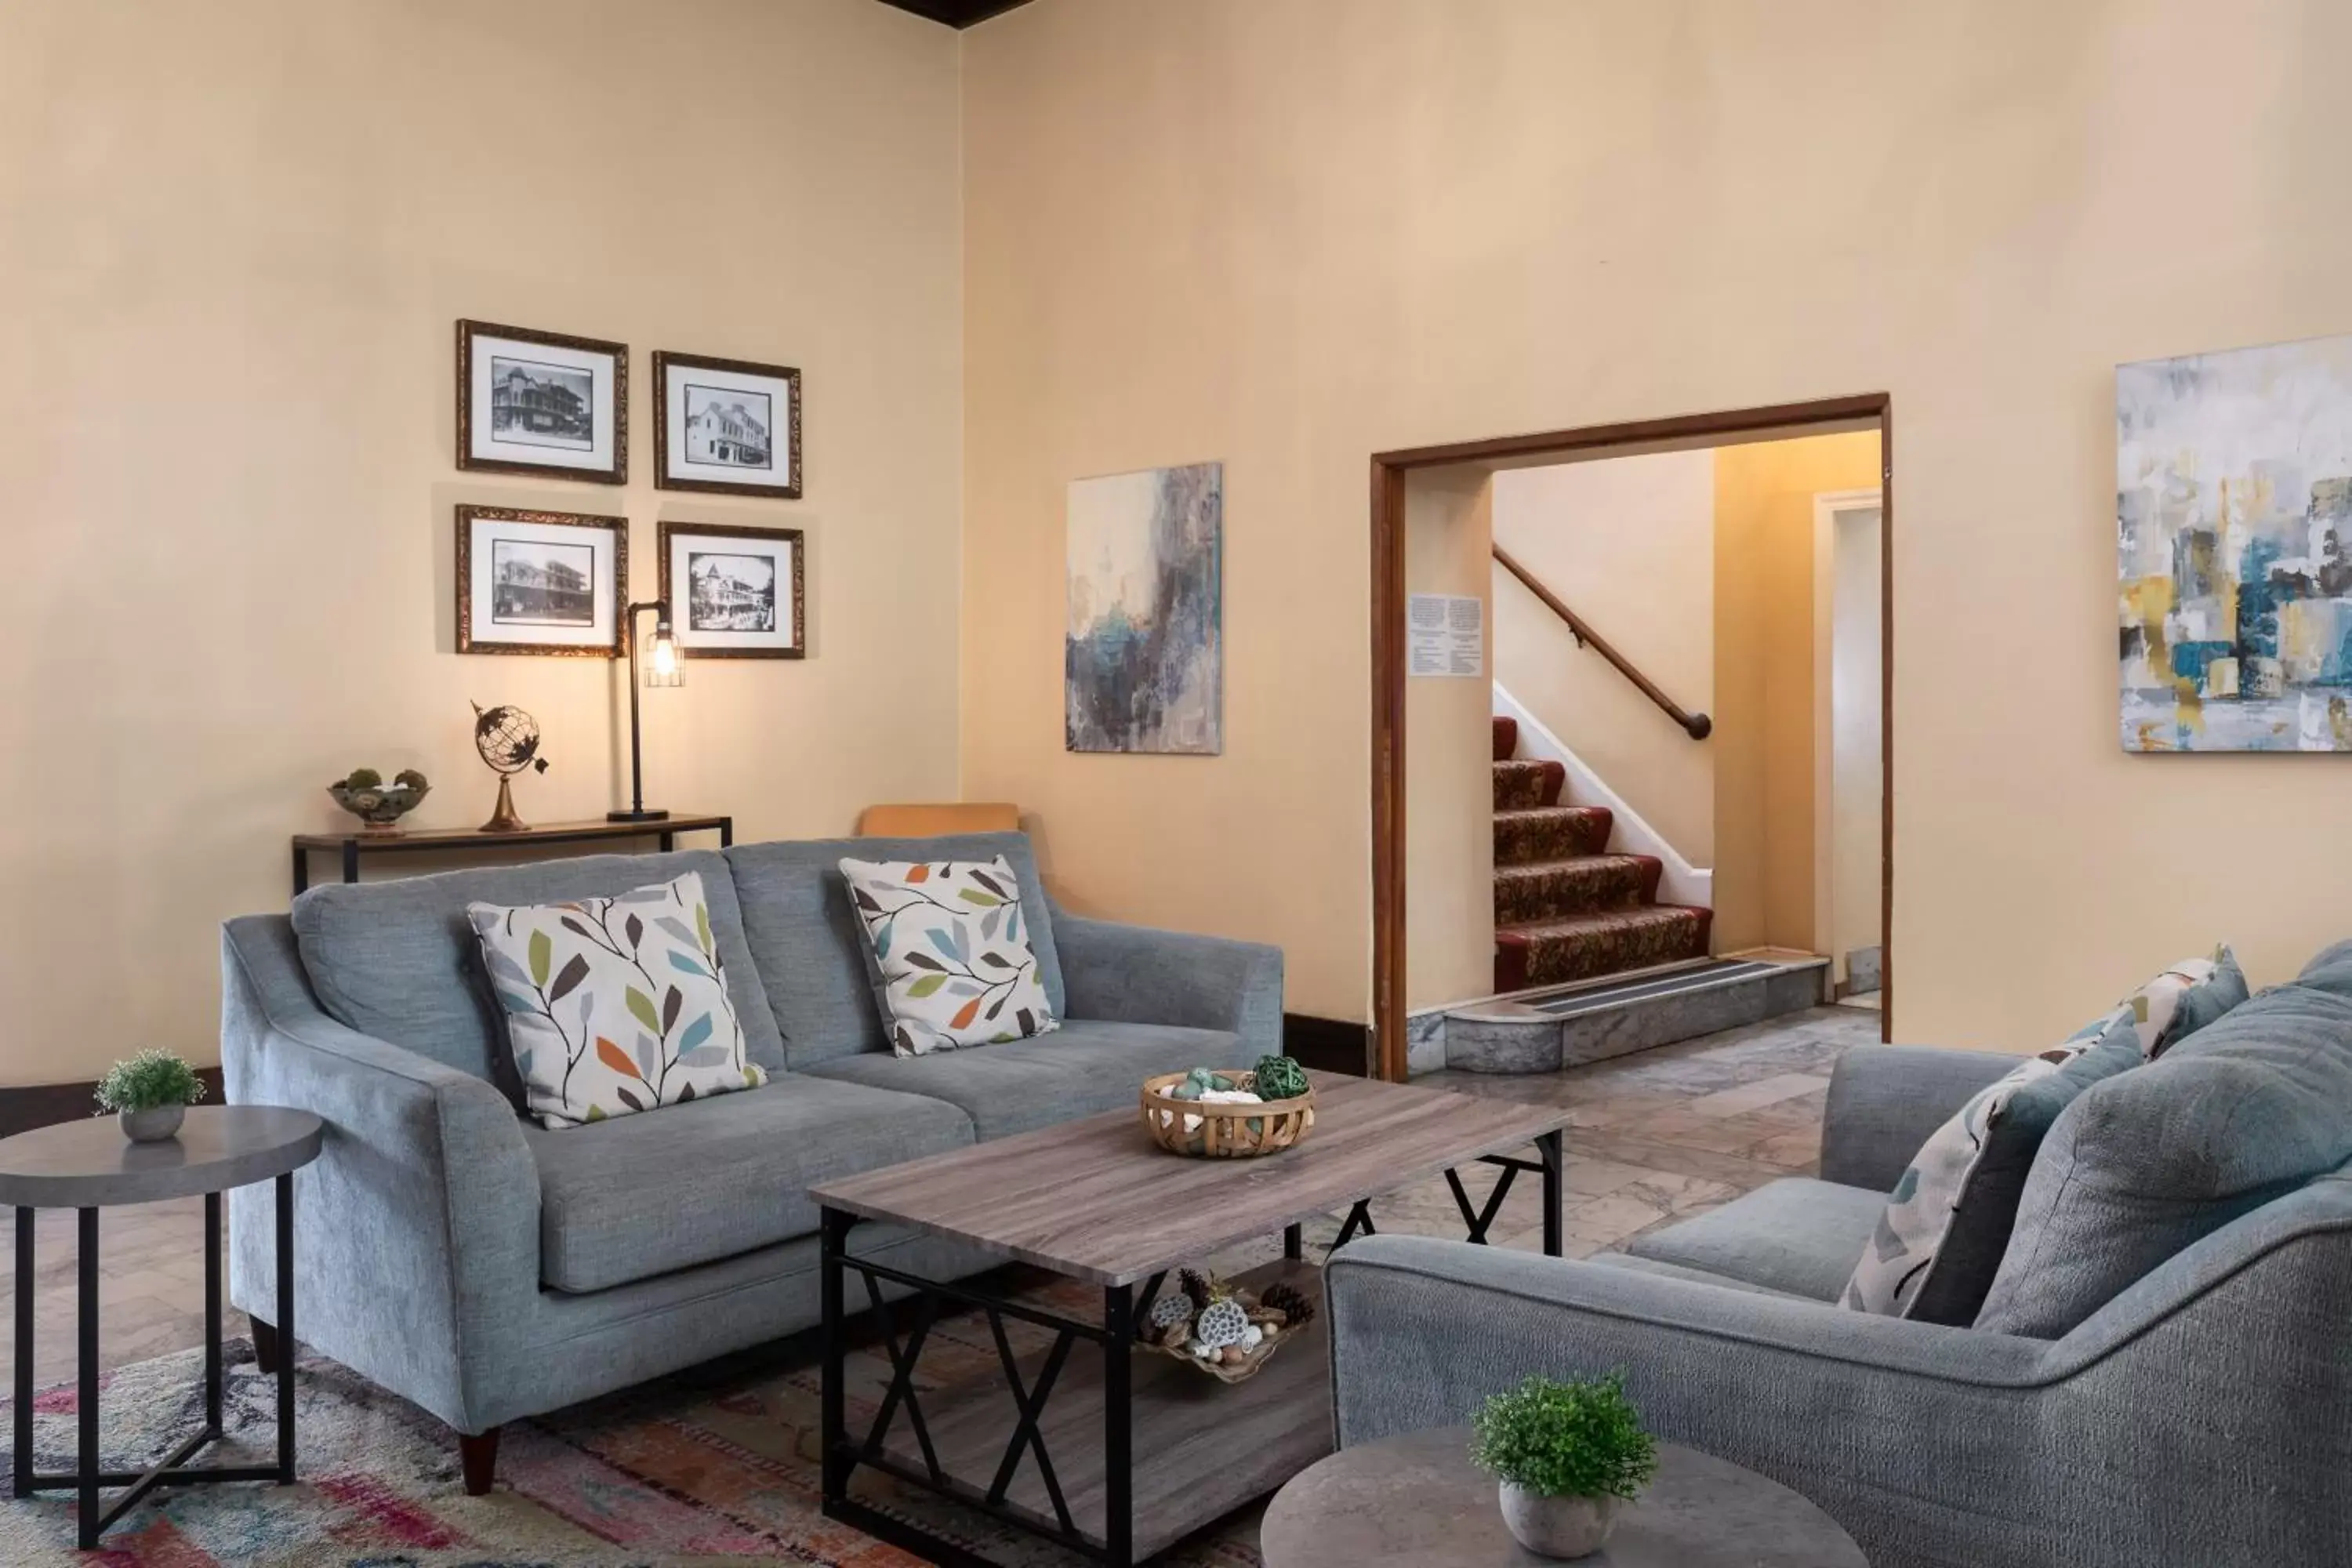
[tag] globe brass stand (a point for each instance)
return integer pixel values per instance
(508, 739)
(661, 669)
(504, 818)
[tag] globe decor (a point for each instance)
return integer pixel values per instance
(508, 739)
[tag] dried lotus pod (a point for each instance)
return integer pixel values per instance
(1170, 1309)
(1221, 1323)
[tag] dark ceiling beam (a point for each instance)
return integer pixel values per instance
(957, 13)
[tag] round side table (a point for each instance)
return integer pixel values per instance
(89, 1165)
(1416, 1501)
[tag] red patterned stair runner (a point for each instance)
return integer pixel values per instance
(1566, 909)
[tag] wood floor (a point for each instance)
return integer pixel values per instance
(1653, 1139)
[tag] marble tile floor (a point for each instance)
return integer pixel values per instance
(1656, 1138)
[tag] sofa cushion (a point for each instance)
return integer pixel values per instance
(2248, 1108)
(397, 959)
(952, 965)
(615, 1006)
(1083, 1069)
(1797, 1235)
(810, 945)
(1941, 1239)
(641, 1195)
(1657, 1270)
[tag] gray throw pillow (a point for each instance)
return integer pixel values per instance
(1937, 1248)
(2247, 1108)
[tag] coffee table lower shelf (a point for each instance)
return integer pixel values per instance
(1196, 1448)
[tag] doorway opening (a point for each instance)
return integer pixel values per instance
(1788, 715)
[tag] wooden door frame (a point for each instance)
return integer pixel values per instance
(1389, 471)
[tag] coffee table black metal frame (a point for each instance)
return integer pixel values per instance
(1123, 1308)
(295, 1149)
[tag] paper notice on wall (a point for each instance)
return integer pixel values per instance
(1445, 633)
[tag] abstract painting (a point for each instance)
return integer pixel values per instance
(1143, 656)
(2233, 519)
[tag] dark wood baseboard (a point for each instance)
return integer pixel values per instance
(47, 1104)
(1327, 1044)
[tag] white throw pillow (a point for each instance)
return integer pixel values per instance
(615, 1005)
(950, 946)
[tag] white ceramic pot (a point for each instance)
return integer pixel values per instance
(152, 1125)
(1562, 1527)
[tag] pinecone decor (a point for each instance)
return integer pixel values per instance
(1292, 1303)
(1195, 1286)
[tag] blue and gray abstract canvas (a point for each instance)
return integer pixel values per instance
(1143, 655)
(2233, 515)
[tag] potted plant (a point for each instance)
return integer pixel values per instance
(1567, 1454)
(149, 1093)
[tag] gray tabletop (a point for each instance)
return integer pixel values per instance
(91, 1164)
(1416, 1501)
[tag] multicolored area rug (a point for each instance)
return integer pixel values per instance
(716, 1465)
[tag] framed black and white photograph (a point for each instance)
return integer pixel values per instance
(727, 426)
(540, 402)
(540, 582)
(734, 593)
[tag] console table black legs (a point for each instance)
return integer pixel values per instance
(174, 1469)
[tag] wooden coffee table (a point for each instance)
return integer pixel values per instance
(1129, 1452)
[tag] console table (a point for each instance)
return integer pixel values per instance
(357, 843)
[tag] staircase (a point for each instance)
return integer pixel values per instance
(1565, 909)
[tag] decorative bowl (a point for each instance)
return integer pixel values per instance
(381, 806)
(1273, 1323)
(1223, 1131)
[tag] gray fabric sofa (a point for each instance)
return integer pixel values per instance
(489, 1269)
(2196, 1407)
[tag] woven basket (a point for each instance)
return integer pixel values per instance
(1224, 1131)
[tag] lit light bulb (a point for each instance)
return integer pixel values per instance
(661, 658)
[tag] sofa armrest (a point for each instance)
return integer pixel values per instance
(1875, 1418)
(417, 1229)
(1138, 975)
(1885, 1100)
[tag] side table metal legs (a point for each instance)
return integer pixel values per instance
(174, 1469)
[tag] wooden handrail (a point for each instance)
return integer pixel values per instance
(1697, 726)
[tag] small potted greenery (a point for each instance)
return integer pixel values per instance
(1567, 1454)
(149, 1093)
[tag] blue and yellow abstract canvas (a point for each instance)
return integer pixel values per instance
(2233, 519)
(1143, 656)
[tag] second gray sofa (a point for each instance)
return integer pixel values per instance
(2159, 1375)
(489, 1269)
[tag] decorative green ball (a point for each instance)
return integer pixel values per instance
(364, 778)
(1280, 1078)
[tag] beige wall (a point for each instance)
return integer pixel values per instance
(237, 236)
(1291, 233)
(1629, 544)
(1449, 752)
(1767, 728)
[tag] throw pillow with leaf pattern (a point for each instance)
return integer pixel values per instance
(615, 1005)
(951, 952)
